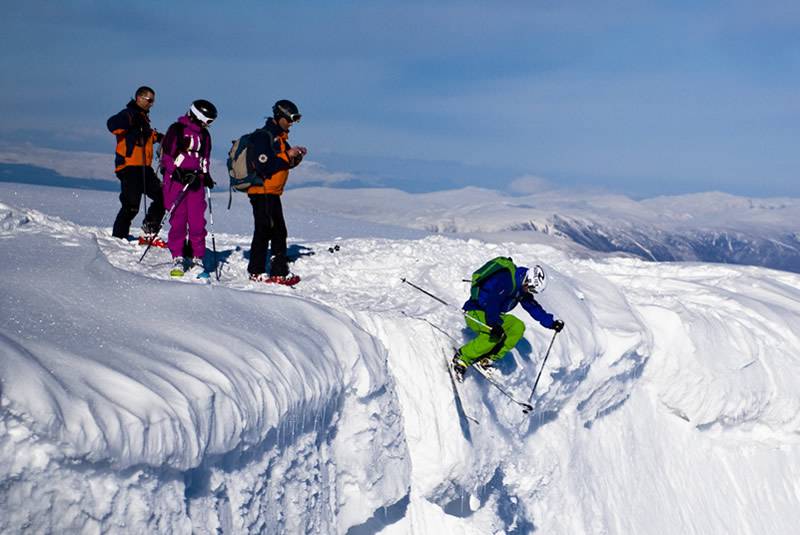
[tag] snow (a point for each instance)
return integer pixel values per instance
(131, 402)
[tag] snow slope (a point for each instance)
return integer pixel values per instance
(135, 403)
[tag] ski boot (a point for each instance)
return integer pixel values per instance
(177, 267)
(196, 269)
(486, 365)
(459, 367)
(149, 235)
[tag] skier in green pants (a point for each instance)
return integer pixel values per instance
(497, 287)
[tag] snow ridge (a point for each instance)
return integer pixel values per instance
(107, 372)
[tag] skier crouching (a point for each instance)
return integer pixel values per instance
(497, 287)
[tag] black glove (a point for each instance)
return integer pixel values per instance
(184, 177)
(558, 325)
(497, 331)
(208, 181)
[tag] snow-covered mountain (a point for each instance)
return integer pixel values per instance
(133, 403)
(709, 227)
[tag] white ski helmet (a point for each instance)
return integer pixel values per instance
(535, 279)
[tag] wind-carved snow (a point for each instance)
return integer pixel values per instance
(139, 403)
(253, 411)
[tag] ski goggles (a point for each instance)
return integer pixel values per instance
(291, 117)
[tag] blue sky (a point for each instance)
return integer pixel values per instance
(642, 98)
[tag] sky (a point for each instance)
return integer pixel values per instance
(636, 97)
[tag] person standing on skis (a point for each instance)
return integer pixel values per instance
(270, 155)
(133, 165)
(185, 161)
(497, 288)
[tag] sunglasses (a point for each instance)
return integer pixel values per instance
(148, 99)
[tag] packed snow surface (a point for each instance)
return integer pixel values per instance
(132, 402)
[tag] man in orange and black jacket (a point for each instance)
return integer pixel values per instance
(270, 155)
(133, 164)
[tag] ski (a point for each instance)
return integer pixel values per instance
(178, 273)
(153, 242)
(526, 407)
(276, 279)
(456, 392)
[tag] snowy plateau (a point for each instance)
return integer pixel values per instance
(131, 402)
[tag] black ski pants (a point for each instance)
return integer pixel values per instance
(268, 226)
(136, 181)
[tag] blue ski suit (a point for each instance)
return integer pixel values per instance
(499, 295)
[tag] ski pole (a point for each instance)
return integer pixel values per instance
(144, 172)
(445, 303)
(169, 212)
(213, 241)
(547, 354)
(429, 322)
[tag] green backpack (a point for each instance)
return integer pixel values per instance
(490, 268)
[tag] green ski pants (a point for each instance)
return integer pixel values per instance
(485, 346)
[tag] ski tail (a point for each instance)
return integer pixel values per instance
(456, 392)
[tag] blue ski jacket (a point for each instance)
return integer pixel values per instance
(498, 295)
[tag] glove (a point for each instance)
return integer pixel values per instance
(558, 325)
(497, 331)
(296, 156)
(208, 181)
(183, 177)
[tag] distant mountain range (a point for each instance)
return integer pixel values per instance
(761, 247)
(706, 227)
(40, 176)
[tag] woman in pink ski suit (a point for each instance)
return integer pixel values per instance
(185, 160)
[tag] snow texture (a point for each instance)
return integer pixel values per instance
(131, 402)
